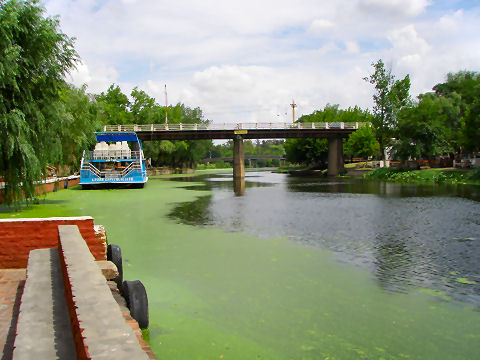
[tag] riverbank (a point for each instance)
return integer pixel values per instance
(442, 175)
(397, 174)
(46, 186)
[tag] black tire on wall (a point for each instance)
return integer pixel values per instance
(137, 301)
(114, 254)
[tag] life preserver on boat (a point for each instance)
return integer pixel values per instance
(137, 302)
(114, 254)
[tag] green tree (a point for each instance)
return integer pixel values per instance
(329, 114)
(114, 107)
(312, 152)
(423, 128)
(315, 151)
(35, 57)
(362, 143)
(249, 147)
(144, 108)
(307, 151)
(79, 121)
(471, 133)
(463, 88)
(390, 97)
(271, 147)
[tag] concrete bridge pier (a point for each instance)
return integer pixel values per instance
(238, 158)
(239, 186)
(335, 156)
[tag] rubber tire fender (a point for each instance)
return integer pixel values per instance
(114, 254)
(137, 302)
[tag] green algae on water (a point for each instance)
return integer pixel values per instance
(463, 280)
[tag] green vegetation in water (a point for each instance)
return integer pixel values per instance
(287, 169)
(447, 176)
(301, 169)
(215, 294)
(213, 166)
(463, 280)
(438, 294)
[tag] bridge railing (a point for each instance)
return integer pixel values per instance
(232, 126)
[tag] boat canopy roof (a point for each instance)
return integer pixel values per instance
(115, 136)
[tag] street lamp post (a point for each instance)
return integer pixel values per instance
(293, 105)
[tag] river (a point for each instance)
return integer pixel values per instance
(297, 267)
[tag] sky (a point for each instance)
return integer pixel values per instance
(246, 61)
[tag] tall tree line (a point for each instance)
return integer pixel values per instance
(115, 107)
(445, 121)
(46, 121)
(42, 118)
(314, 152)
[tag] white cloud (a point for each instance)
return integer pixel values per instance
(406, 41)
(245, 60)
(98, 80)
(394, 8)
(450, 22)
(231, 92)
(263, 94)
(319, 26)
(327, 48)
(351, 47)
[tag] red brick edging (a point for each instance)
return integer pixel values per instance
(19, 236)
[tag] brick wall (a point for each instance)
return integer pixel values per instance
(78, 338)
(47, 187)
(19, 236)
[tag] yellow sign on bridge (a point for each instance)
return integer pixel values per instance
(240, 132)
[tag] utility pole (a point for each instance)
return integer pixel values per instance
(293, 105)
(166, 105)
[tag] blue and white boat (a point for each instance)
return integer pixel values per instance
(117, 159)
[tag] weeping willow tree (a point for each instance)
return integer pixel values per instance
(34, 58)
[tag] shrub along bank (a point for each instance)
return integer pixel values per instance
(448, 176)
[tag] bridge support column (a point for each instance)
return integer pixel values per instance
(239, 186)
(341, 162)
(238, 158)
(335, 156)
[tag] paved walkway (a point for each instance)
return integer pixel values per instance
(11, 289)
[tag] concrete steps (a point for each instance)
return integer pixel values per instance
(43, 327)
(67, 310)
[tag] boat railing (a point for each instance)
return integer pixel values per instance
(112, 173)
(233, 126)
(88, 166)
(111, 154)
(131, 167)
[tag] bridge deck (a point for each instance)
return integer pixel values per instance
(229, 131)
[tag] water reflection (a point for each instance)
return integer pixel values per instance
(406, 235)
(194, 213)
(360, 186)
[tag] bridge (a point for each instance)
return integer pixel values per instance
(247, 157)
(333, 131)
